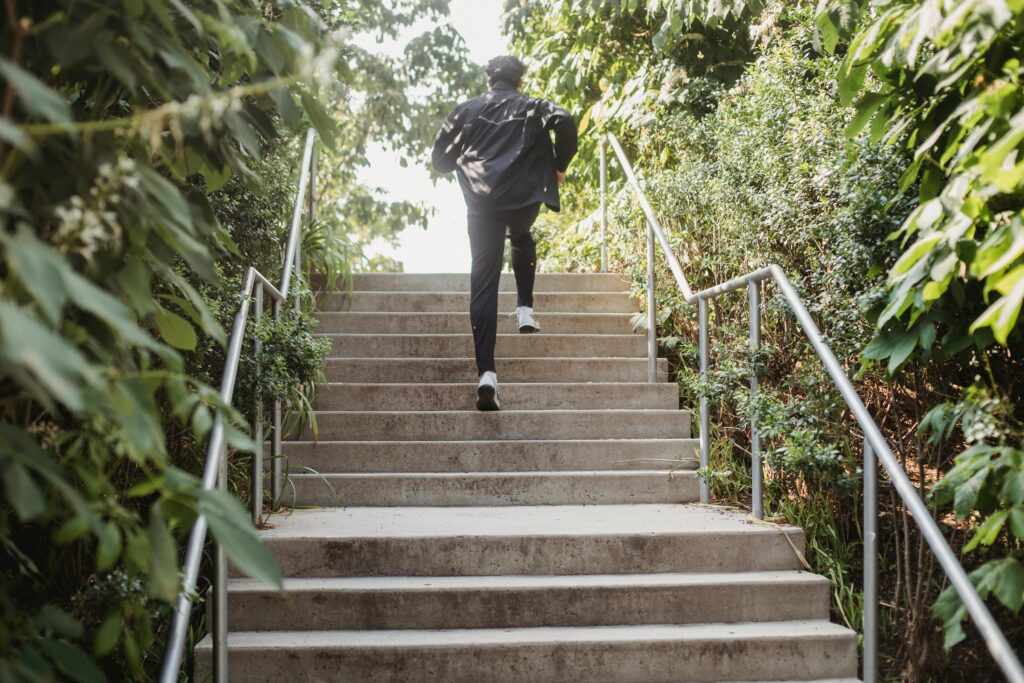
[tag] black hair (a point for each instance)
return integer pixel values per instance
(506, 68)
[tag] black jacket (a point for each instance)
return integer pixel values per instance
(500, 143)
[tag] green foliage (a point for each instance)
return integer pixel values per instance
(610, 62)
(119, 121)
(290, 365)
(944, 80)
(397, 101)
(963, 265)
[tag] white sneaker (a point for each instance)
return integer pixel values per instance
(527, 323)
(487, 392)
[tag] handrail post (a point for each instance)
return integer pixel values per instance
(869, 673)
(220, 591)
(603, 148)
(275, 443)
(652, 314)
(756, 468)
(256, 478)
(705, 436)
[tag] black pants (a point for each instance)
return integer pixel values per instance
(487, 242)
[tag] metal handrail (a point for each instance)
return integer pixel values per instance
(876, 448)
(254, 286)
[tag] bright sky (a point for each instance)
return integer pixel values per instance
(443, 247)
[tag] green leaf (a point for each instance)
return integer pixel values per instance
(967, 494)
(41, 270)
(163, 564)
(988, 531)
(53, 618)
(951, 610)
(866, 108)
(22, 493)
(1017, 522)
(175, 330)
(108, 634)
(915, 253)
(233, 529)
(109, 549)
(14, 135)
(72, 661)
(35, 97)
(1009, 584)
(62, 373)
(135, 281)
(71, 530)
(1002, 315)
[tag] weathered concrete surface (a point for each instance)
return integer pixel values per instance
(392, 322)
(553, 539)
(549, 542)
(493, 456)
(515, 396)
(455, 425)
(418, 370)
(436, 602)
(611, 654)
(459, 282)
(491, 488)
(508, 345)
(416, 301)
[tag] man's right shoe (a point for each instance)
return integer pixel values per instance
(527, 323)
(487, 392)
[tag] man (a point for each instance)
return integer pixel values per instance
(500, 144)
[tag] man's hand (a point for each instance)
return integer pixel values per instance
(560, 177)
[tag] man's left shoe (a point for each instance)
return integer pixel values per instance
(527, 323)
(487, 392)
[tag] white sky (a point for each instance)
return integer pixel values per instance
(443, 247)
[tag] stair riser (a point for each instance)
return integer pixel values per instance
(550, 555)
(457, 490)
(659, 661)
(488, 456)
(459, 282)
(262, 610)
(518, 396)
(462, 370)
(505, 425)
(458, 323)
(509, 346)
(413, 302)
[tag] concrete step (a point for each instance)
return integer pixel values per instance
(525, 396)
(459, 282)
(457, 323)
(612, 654)
(507, 345)
(419, 370)
(492, 456)
(552, 539)
(438, 602)
(415, 301)
(449, 489)
(472, 425)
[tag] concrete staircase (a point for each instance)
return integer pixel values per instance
(555, 540)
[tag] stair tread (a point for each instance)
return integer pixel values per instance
(469, 335)
(494, 475)
(464, 293)
(498, 414)
(533, 520)
(528, 581)
(749, 631)
(478, 442)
